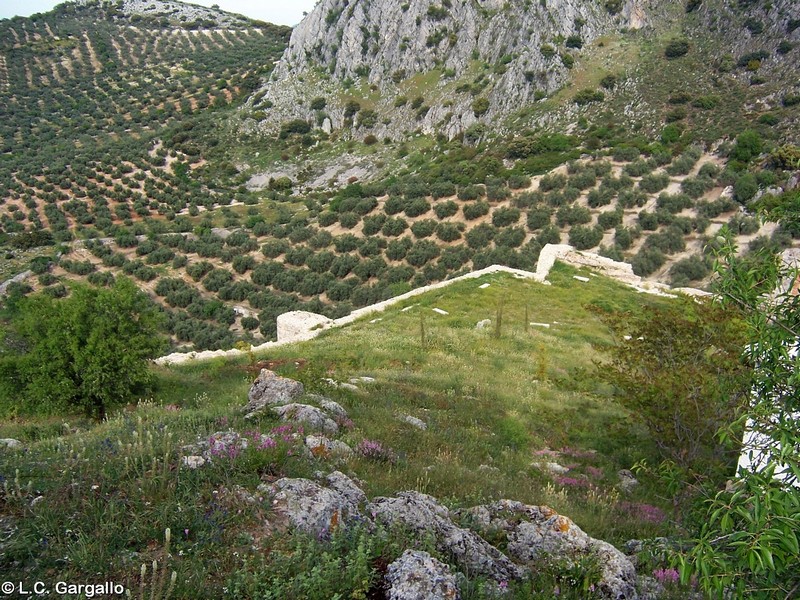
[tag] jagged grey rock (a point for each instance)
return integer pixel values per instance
(331, 407)
(627, 481)
(417, 575)
(386, 42)
(270, 389)
(534, 532)
(319, 444)
(483, 324)
(345, 486)
(414, 422)
(10, 443)
(307, 415)
(423, 514)
(311, 507)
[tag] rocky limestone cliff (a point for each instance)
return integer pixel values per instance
(424, 48)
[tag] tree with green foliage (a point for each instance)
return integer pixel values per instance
(678, 367)
(746, 545)
(88, 351)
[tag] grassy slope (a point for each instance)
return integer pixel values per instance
(110, 490)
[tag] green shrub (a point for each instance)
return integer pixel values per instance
(445, 209)
(748, 146)
(676, 49)
(609, 219)
(448, 232)
(480, 106)
(654, 183)
(745, 188)
(475, 210)
(584, 238)
(502, 217)
(574, 41)
(89, 351)
(539, 218)
(424, 228)
(587, 96)
(647, 261)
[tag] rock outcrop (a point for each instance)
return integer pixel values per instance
(314, 508)
(270, 389)
(423, 514)
(387, 44)
(536, 532)
(308, 416)
(416, 575)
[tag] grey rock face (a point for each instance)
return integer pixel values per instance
(328, 447)
(414, 422)
(345, 486)
(307, 415)
(10, 443)
(329, 406)
(418, 575)
(386, 42)
(422, 513)
(313, 508)
(537, 531)
(270, 389)
(627, 481)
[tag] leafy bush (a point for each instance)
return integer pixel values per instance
(689, 269)
(539, 218)
(584, 238)
(448, 232)
(676, 49)
(587, 96)
(422, 252)
(394, 226)
(480, 106)
(416, 207)
(480, 236)
(90, 350)
(445, 209)
(679, 368)
(573, 215)
(745, 188)
(647, 261)
(424, 228)
(475, 210)
(748, 146)
(609, 219)
(503, 217)
(654, 183)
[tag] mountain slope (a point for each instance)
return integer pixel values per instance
(444, 67)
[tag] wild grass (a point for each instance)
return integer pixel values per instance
(101, 496)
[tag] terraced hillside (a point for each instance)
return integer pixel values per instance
(127, 152)
(101, 113)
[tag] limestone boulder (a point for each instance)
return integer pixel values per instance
(535, 533)
(423, 514)
(417, 575)
(312, 507)
(308, 416)
(271, 389)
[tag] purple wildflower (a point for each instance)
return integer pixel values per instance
(665, 576)
(572, 482)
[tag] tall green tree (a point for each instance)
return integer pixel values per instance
(88, 351)
(747, 545)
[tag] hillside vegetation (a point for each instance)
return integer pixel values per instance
(497, 402)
